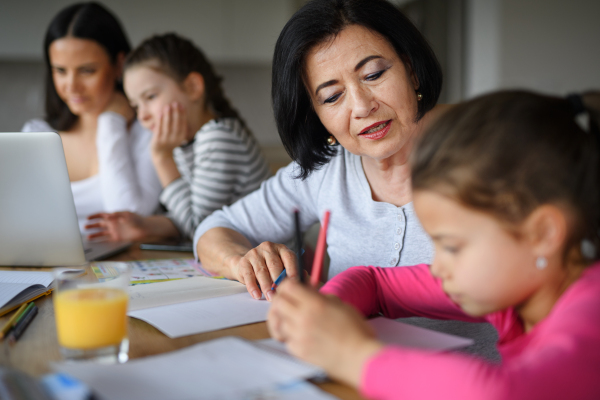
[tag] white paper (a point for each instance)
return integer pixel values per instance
(180, 291)
(394, 332)
(206, 315)
(390, 331)
(225, 368)
(300, 390)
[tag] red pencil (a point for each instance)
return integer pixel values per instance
(319, 252)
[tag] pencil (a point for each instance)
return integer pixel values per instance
(319, 252)
(9, 323)
(30, 305)
(23, 324)
(299, 246)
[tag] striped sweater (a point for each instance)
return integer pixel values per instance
(220, 165)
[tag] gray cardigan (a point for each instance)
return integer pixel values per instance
(361, 231)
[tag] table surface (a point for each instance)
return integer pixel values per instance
(38, 346)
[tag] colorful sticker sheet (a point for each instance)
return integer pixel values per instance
(150, 271)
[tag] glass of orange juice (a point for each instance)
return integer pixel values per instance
(91, 314)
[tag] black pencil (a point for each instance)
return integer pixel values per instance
(23, 323)
(299, 246)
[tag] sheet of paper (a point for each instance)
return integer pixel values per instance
(206, 315)
(225, 368)
(300, 390)
(394, 332)
(180, 291)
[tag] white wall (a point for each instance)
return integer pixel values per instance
(237, 35)
(552, 46)
(482, 47)
(227, 30)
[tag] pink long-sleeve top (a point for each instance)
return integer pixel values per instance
(558, 359)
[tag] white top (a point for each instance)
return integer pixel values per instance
(220, 165)
(361, 231)
(126, 179)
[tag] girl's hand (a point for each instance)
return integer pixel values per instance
(322, 330)
(171, 131)
(120, 105)
(117, 226)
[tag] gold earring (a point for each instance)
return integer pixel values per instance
(331, 140)
(419, 96)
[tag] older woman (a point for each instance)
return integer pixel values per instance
(354, 83)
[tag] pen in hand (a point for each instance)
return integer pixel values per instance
(299, 261)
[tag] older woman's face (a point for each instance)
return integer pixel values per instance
(362, 92)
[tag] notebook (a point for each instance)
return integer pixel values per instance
(38, 222)
(18, 287)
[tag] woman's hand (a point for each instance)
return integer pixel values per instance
(120, 105)
(171, 131)
(322, 330)
(263, 264)
(117, 226)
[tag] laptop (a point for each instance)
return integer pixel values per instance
(38, 222)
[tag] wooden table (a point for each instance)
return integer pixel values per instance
(38, 346)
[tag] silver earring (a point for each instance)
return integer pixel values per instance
(541, 263)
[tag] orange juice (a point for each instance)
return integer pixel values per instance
(91, 318)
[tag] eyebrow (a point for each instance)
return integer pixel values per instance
(88, 65)
(145, 92)
(364, 61)
(360, 64)
(441, 236)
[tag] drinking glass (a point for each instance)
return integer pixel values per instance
(91, 313)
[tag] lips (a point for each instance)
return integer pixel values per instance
(376, 131)
(77, 100)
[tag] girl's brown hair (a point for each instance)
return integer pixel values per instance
(177, 57)
(509, 152)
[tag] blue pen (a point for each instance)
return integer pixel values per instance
(282, 275)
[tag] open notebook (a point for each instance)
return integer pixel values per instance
(18, 287)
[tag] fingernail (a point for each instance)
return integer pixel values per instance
(269, 295)
(256, 295)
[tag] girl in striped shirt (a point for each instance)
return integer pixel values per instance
(203, 152)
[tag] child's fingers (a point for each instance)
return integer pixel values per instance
(182, 126)
(166, 123)
(175, 118)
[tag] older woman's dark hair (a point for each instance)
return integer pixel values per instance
(302, 133)
(85, 21)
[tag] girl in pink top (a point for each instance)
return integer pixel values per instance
(508, 187)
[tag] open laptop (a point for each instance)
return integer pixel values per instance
(38, 222)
